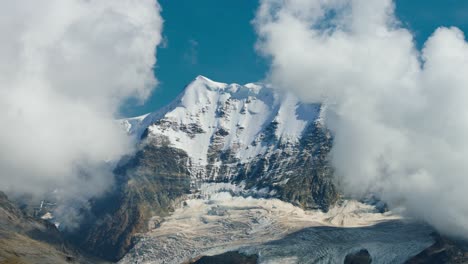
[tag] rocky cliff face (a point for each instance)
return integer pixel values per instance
(148, 184)
(259, 139)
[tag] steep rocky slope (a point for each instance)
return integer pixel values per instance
(257, 138)
(149, 183)
(24, 239)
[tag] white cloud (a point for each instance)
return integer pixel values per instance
(191, 54)
(66, 66)
(399, 115)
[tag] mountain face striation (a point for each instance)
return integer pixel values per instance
(263, 140)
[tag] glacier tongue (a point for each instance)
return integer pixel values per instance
(214, 222)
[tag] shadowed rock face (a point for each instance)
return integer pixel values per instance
(24, 239)
(227, 258)
(310, 176)
(360, 257)
(443, 251)
(147, 185)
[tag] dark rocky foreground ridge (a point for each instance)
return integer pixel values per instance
(24, 239)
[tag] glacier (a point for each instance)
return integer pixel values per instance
(215, 221)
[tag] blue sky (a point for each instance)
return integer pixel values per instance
(216, 39)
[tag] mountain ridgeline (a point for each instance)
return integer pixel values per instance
(260, 139)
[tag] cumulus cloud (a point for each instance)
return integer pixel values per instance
(399, 115)
(66, 66)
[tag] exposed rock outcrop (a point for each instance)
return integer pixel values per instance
(360, 257)
(227, 258)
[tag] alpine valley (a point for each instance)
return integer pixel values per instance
(232, 173)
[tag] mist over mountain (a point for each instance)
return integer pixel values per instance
(65, 69)
(397, 114)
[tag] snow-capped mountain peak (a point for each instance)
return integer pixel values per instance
(243, 120)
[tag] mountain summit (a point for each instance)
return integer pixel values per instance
(220, 124)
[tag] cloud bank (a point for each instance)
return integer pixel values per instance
(66, 66)
(399, 115)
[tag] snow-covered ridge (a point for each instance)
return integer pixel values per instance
(209, 114)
